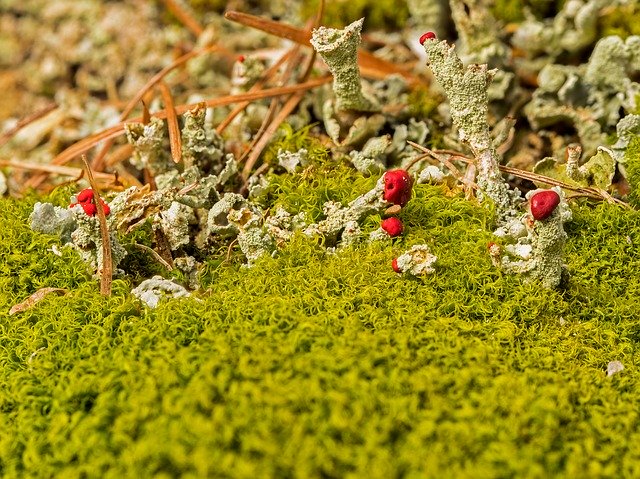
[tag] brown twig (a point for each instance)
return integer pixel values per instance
(175, 141)
(106, 273)
(55, 169)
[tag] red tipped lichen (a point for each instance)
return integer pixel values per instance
(543, 203)
(394, 265)
(393, 226)
(85, 195)
(397, 187)
(89, 208)
(427, 36)
(85, 200)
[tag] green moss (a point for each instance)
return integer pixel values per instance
(623, 20)
(313, 364)
(318, 183)
(288, 139)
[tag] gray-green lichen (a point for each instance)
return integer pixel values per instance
(53, 220)
(247, 70)
(535, 247)
(339, 50)
(152, 291)
(150, 144)
(598, 171)
(81, 231)
(202, 146)
(538, 256)
(342, 223)
(370, 160)
(290, 161)
(626, 129)
(571, 30)
(466, 90)
(590, 96)
(417, 261)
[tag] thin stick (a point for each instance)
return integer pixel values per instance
(172, 121)
(593, 193)
(106, 273)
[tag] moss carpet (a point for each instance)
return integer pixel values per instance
(313, 364)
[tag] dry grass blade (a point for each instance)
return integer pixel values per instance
(34, 299)
(6, 136)
(370, 65)
(106, 274)
(175, 141)
(184, 16)
(89, 142)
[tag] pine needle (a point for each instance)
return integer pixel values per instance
(175, 141)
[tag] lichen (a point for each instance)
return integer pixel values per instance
(338, 49)
(152, 291)
(466, 90)
(417, 261)
(591, 96)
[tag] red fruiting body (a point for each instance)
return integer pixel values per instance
(241, 58)
(397, 187)
(427, 36)
(89, 208)
(85, 195)
(105, 208)
(85, 199)
(393, 226)
(394, 265)
(543, 203)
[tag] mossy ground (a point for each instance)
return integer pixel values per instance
(329, 365)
